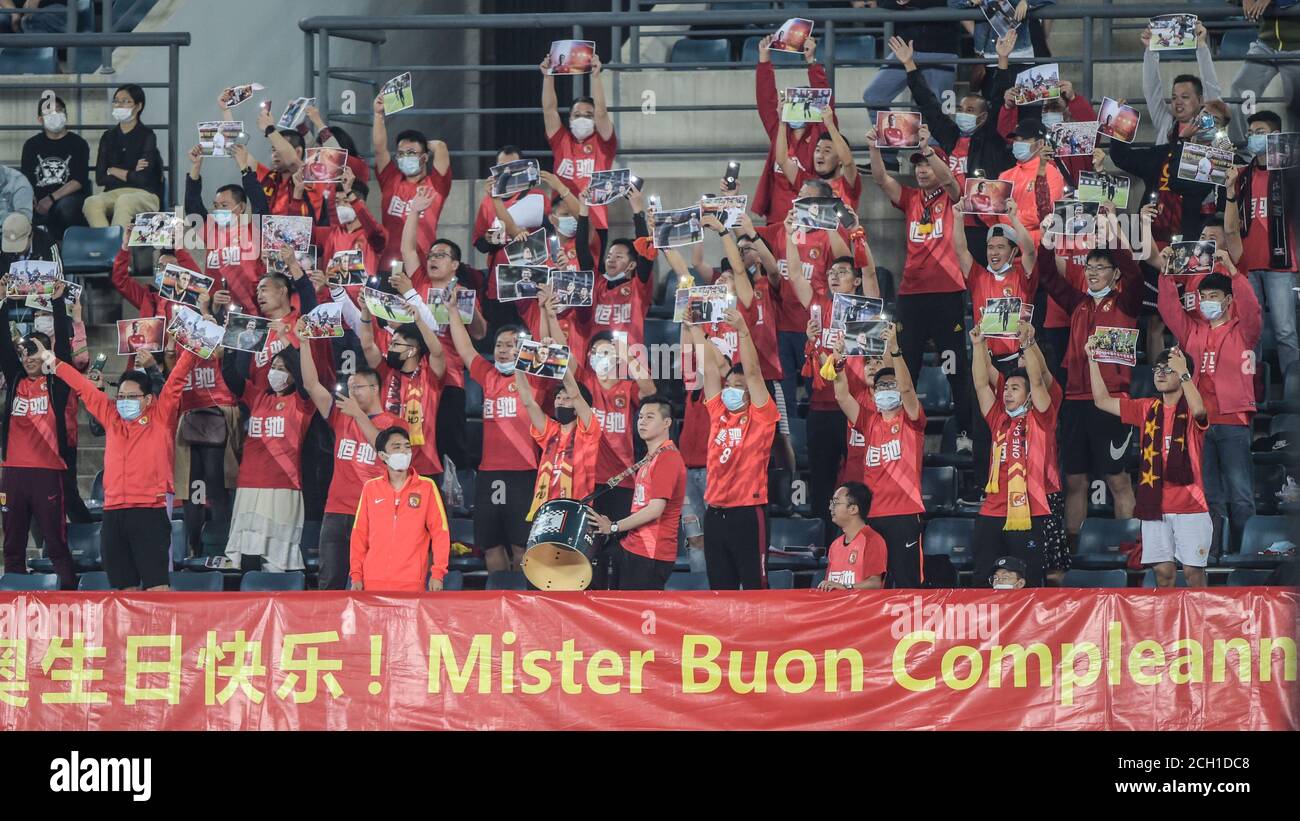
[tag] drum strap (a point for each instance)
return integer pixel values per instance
(615, 480)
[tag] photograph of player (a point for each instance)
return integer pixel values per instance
(245, 333)
(31, 276)
(1073, 139)
(804, 105)
(898, 129)
(513, 177)
(792, 35)
(144, 334)
(1034, 85)
(985, 196)
(516, 282)
(323, 165)
(397, 95)
(571, 56)
(1192, 258)
(155, 230)
(1170, 32)
(607, 186)
(1095, 186)
(1115, 345)
(278, 232)
(679, 227)
(573, 289)
(1202, 163)
(192, 332)
(1118, 121)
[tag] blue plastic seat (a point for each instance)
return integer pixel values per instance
(948, 454)
(180, 545)
(1236, 42)
(700, 51)
(1260, 533)
(29, 581)
(951, 537)
(93, 580)
(90, 250)
(1284, 421)
(661, 332)
(1096, 578)
(780, 579)
(473, 400)
(799, 441)
(934, 391)
(1149, 580)
(1100, 540)
(939, 489)
(687, 581)
(855, 49)
(817, 578)
(1249, 577)
(257, 581)
(191, 582)
(454, 580)
(462, 530)
(28, 61)
(506, 580)
(786, 534)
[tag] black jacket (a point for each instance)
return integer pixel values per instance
(12, 366)
(989, 152)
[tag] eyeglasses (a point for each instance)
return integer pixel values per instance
(439, 255)
(130, 396)
(838, 503)
(1098, 269)
(1162, 370)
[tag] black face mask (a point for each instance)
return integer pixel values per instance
(394, 360)
(565, 415)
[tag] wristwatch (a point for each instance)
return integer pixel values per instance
(268, 131)
(897, 354)
(1186, 377)
(613, 528)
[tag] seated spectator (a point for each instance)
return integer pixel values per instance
(857, 560)
(53, 22)
(402, 535)
(1008, 574)
(128, 169)
(18, 241)
(57, 163)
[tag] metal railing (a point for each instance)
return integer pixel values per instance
(172, 41)
(319, 72)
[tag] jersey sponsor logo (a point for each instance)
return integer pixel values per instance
(582, 169)
(503, 407)
(36, 406)
(607, 314)
(396, 207)
(350, 450)
(611, 422)
(890, 451)
(924, 232)
(201, 378)
(266, 427)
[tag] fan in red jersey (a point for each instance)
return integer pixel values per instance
(858, 559)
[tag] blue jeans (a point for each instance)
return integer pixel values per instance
(1276, 290)
(890, 82)
(790, 346)
(1261, 66)
(46, 23)
(1229, 476)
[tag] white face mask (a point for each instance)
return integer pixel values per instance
(568, 226)
(1051, 118)
(122, 114)
(409, 166)
(44, 323)
(602, 364)
(55, 121)
(223, 218)
(398, 461)
(346, 214)
(1098, 294)
(1002, 269)
(1018, 412)
(278, 380)
(582, 127)
(1004, 587)
(504, 368)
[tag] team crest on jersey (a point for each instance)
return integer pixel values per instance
(511, 388)
(586, 148)
(144, 420)
(620, 402)
(413, 500)
(813, 253)
(624, 291)
(853, 557)
(1105, 306)
(279, 406)
(893, 429)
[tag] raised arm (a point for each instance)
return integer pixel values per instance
(550, 103)
(1100, 396)
(1035, 368)
(892, 188)
(460, 338)
(379, 136)
(758, 395)
(320, 395)
(604, 122)
(959, 246)
(980, 371)
(366, 336)
(710, 367)
(906, 387)
(794, 266)
(536, 417)
(842, 150)
(580, 405)
(783, 160)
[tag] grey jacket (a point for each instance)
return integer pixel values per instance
(15, 192)
(1153, 87)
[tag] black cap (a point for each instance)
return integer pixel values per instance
(1008, 563)
(1030, 128)
(917, 157)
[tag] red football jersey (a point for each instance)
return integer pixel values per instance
(931, 266)
(621, 306)
(33, 429)
(693, 441)
(395, 192)
(567, 467)
(615, 408)
(507, 443)
(575, 160)
(761, 317)
(815, 254)
(984, 285)
(892, 453)
(355, 462)
(205, 387)
(859, 560)
(663, 477)
(739, 446)
(1009, 436)
(272, 456)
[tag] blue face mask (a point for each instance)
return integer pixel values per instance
(505, 368)
(1211, 310)
(888, 400)
(966, 122)
(129, 409)
(223, 218)
(1051, 118)
(796, 125)
(1100, 293)
(568, 226)
(1257, 143)
(733, 398)
(1022, 151)
(1018, 412)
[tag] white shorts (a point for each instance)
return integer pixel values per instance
(1182, 536)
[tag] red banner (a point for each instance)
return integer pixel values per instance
(804, 659)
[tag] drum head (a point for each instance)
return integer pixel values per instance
(556, 567)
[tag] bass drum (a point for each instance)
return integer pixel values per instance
(560, 546)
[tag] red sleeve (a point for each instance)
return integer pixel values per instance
(1081, 111)
(132, 291)
(766, 413)
(611, 143)
(1043, 200)
(1171, 309)
(479, 370)
(441, 182)
(664, 478)
(765, 97)
(95, 400)
(556, 141)
(439, 533)
(995, 415)
(361, 533)
(387, 178)
(875, 558)
(1134, 411)
(1008, 119)
(541, 436)
(169, 403)
(186, 261)
(905, 197)
(376, 234)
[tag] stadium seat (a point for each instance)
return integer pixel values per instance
(749, 55)
(506, 580)
(780, 580)
(454, 580)
(474, 441)
(90, 250)
(1099, 541)
(1249, 577)
(1284, 421)
(817, 578)
(95, 504)
(473, 399)
(1096, 578)
(83, 542)
(1143, 385)
(180, 545)
(952, 537)
(1268, 481)
(1235, 44)
(856, 49)
(467, 479)
(28, 61)
(939, 489)
(94, 580)
(948, 454)
(1260, 533)
(1149, 579)
(661, 332)
(700, 51)
(688, 581)
(194, 582)
(794, 535)
(29, 581)
(934, 391)
(257, 581)
(799, 441)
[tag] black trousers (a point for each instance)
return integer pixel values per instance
(992, 543)
(35, 495)
(637, 572)
(902, 535)
(828, 444)
(207, 465)
(62, 215)
(74, 506)
(335, 551)
(451, 427)
(941, 319)
(735, 547)
(614, 505)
